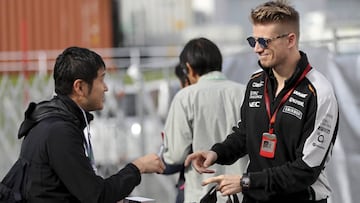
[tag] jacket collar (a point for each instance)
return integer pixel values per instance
(300, 67)
(60, 106)
(213, 75)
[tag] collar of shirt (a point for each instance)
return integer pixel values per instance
(214, 75)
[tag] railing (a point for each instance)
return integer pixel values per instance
(27, 77)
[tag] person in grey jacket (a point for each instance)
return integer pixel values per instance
(178, 168)
(201, 113)
(62, 167)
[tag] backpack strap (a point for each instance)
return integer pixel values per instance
(12, 187)
(210, 196)
(4, 192)
(19, 186)
(235, 198)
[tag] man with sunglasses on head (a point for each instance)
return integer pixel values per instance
(289, 120)
(201, 113)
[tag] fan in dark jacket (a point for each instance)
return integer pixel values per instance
(62, 167)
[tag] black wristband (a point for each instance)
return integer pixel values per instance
(245, 182)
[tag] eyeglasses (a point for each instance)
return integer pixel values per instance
(185, 77)
(264, 42)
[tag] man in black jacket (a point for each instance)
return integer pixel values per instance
(62, 168)
(289, 120)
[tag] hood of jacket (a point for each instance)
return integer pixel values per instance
(59, 106)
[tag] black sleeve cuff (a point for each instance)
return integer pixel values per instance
(258, 179)
(217, 149)
(135, 169)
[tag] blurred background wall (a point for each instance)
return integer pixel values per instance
(55, 24)
(140, 41)
(51, 24)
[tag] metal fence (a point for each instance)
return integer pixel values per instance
(33, 81)
(130, 123)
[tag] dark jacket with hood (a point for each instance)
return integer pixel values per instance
(59, 170)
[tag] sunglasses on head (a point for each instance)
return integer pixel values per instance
(264, 42)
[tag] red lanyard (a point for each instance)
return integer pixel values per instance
(272, 118)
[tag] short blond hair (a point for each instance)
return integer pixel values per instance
(278, 11)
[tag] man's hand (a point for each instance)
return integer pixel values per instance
(201, 161)
(150, 163)
(227, 184)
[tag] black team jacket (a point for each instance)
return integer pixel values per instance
(305, 127)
